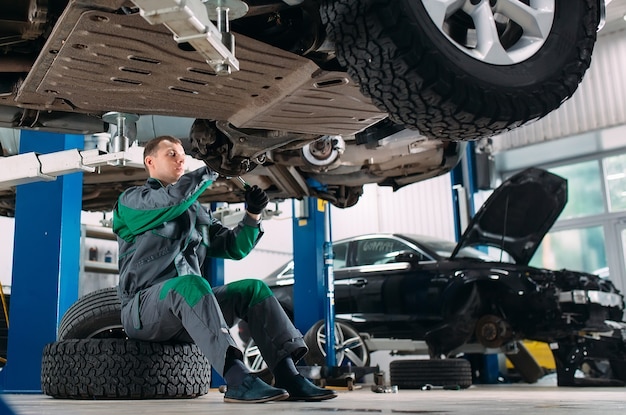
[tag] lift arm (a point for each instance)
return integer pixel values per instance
(33, 167)
(190, 22)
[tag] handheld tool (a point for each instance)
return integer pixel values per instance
(243, 182)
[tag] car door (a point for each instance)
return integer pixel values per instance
(344, 303)
(374, 268)
(387, 288)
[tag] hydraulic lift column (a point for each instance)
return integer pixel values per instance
(214, 269)
(464, 186)
(45, 271)
(309, 290)
(314, 289)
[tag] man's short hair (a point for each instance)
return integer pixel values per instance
(151, 146)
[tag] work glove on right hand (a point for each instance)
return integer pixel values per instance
(256, 199)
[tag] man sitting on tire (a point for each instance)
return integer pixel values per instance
(164, 236)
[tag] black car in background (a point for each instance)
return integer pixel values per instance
(461, 299)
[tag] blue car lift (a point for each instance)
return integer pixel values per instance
(314, 291)
(45, 258)
(464, 174)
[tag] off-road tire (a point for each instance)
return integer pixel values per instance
(416, 374)
(410, 69)
(94, 315)
(123, 369)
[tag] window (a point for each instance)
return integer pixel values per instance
(378, 251)
(584, 196)
(615, 179)
(341, 253)
(590, 233)
(579, 249)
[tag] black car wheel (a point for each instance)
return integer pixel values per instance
(95, 315)
(254, 361)
(252, 357)
(464, 69)
(123, 369)
(349, 346)
(416, 374)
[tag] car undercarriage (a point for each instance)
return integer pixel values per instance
(304, 97)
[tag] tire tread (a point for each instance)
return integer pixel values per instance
(123, 369)
(405, 73)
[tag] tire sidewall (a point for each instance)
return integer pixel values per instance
(93, 315)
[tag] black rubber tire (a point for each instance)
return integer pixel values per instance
(525, 364)
(349, 347)
(94, 315)
(123, 369)
(416, 374)
(411, 70)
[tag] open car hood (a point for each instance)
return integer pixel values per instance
(518, 214)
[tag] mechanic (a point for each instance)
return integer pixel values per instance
(164, 235)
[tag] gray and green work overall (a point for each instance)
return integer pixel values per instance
(164, 236)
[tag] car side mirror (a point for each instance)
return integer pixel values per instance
(407, 256)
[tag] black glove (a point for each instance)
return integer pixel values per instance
(256, 199)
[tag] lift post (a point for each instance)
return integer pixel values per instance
(329, 283)
(214, 270)
(464, 186)
(309, 291)
(45, 274)
(314, 289)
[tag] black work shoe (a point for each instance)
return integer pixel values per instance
(301, 389)
(254, 390)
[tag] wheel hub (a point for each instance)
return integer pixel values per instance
(493, 331)
(498, 32)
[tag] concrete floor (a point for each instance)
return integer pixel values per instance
(543, 397)
(518, 399)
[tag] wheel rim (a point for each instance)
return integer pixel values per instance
(252, 357)
(498, 32)
(108, 332)
(349, 346)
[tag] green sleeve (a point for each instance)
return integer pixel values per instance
(140, 209)
(236, 243)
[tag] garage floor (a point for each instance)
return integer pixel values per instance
(518, 399)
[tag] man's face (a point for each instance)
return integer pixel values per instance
(167, 164)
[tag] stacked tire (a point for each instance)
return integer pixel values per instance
(425, 373)
(93, 359)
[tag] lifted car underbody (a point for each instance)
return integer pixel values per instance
(305, 97)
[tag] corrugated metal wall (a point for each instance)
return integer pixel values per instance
(422, 208)
(598, 102)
